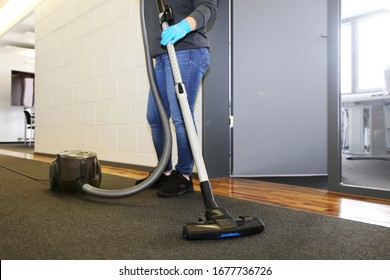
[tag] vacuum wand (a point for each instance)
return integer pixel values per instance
(218, 222)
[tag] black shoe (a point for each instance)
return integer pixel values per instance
(176, 185)
(158, 184)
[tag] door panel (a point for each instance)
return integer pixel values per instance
(279, 88)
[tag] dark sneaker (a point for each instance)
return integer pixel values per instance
(158, 184)
(176, 185)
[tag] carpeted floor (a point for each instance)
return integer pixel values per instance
(371, 173)
(37, 223)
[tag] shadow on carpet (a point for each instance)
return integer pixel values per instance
(37, 223)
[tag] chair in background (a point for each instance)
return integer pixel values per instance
(29, 126)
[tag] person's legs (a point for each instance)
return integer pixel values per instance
(193, 64)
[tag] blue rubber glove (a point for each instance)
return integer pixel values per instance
(175, 32)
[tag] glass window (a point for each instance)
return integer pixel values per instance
(373, 51)
(365, 52)
(346, 59)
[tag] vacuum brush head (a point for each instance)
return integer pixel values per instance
(219, 224)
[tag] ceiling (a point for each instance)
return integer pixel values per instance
(20, 39)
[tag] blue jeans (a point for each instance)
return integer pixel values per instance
(193, 64)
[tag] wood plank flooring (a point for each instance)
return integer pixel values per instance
(352, 207)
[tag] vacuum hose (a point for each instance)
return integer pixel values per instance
(106, 193)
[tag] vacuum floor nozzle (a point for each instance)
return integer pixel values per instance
(222, 225)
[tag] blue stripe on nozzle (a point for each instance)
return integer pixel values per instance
(231, 234)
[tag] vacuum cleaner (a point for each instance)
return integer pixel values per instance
(77, 170)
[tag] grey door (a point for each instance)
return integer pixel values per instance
(279, 87)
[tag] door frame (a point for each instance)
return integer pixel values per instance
(334, 111)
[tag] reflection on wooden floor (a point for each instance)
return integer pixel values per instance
(357, 208)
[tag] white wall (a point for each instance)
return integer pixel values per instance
(91, 81)
(11, 118)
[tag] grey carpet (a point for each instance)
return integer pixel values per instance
(37, 223)
(371, 173)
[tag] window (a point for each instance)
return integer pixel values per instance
(365, 52)
(346, 58)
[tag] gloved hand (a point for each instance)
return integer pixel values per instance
(175, 32)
